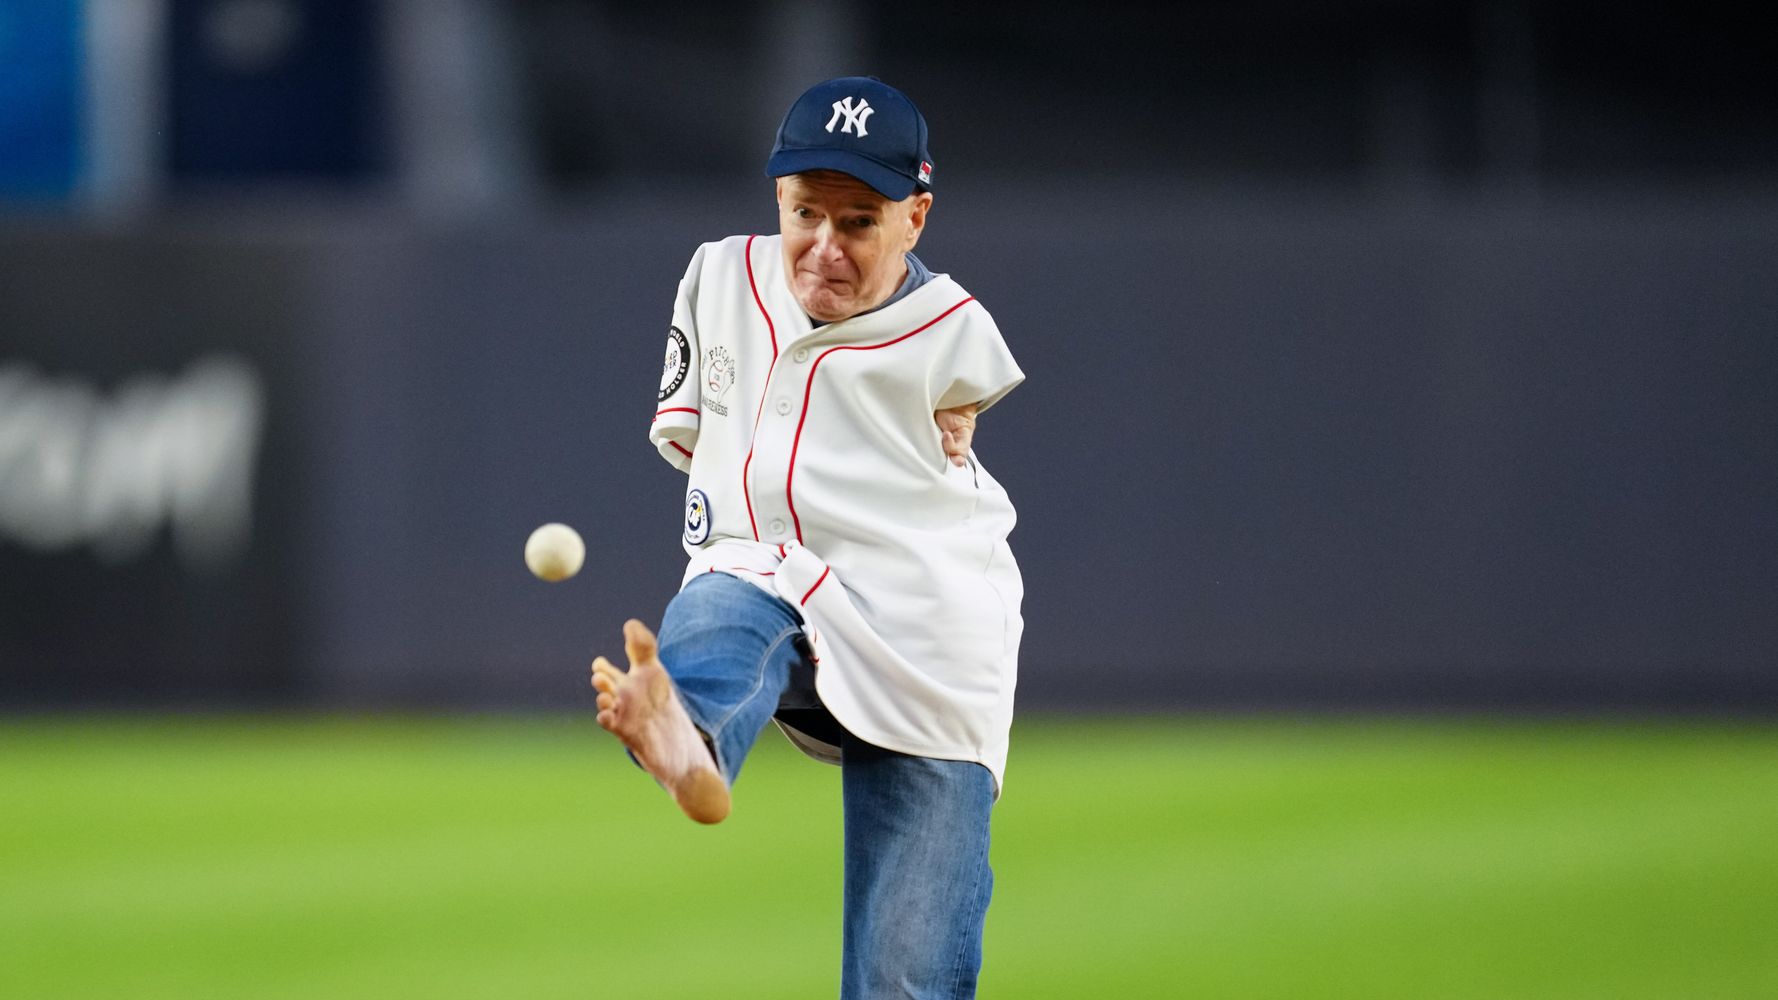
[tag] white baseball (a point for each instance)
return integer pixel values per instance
(554, 552)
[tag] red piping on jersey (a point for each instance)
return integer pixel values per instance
(772, 331)
(675, 409)
(756, 300)
(679, 449)
(809, 392)
(817, 585)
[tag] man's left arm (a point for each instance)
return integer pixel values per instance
(982, 371)
(957, 427)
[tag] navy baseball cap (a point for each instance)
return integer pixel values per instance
(857, 125)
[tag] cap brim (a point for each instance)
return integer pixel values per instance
(886, 182)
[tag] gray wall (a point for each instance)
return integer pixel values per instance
(1270, 452)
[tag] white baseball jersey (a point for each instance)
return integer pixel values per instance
(818, 473)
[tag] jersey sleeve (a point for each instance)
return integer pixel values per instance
(981, 369)
(674, 431)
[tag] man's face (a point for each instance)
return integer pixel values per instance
(843, 242)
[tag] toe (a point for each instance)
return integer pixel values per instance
(605, 676)
(639, 643)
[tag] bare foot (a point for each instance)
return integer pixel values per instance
(642, 709)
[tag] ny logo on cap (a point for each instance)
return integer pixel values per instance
(855, 116)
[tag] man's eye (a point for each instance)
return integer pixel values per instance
(803, 213)
(864, 222)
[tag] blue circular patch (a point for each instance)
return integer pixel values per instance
(697, 517)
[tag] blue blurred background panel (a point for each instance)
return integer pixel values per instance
(41, 104)
(269, 89)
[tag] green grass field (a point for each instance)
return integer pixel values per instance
(1160, 857)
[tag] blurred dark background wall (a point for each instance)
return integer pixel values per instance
(1379, 354)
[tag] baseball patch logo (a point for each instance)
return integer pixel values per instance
(719, 377)
(678, 362)
(697, 517)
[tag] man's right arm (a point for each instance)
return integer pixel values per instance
(674, 431)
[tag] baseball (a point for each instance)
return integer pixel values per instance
(554, 552)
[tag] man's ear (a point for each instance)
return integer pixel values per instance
(922, 203)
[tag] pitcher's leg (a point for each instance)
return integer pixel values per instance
(729, 647)
(690, 707)
(640, 707)
(917, 874)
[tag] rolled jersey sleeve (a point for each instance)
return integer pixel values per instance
(674, 431)
(981, 368)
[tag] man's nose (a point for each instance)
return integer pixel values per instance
(827, 241)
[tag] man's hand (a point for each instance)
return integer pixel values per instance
(957, 427)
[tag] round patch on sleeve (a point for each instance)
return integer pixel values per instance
(677, 364)
(697, 517)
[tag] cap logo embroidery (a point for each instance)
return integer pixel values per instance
(855, 115)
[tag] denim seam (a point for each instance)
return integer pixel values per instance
(976, 933)
(759, 681)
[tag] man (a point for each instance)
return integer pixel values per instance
(849, 571)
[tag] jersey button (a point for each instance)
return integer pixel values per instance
(801, 354)
(783, 407)
(777, 526)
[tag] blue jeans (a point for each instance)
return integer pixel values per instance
(917, 879)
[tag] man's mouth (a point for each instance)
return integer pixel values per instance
(828, 281)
